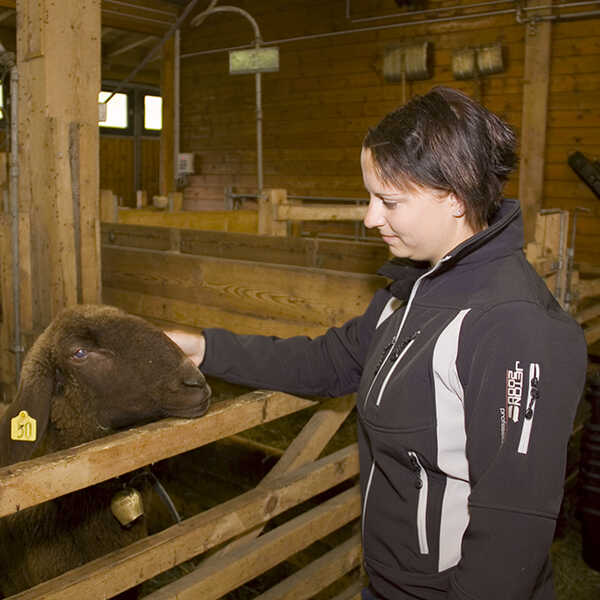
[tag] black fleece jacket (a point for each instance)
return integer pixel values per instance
(468, 377)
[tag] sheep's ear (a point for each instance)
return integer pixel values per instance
(33, 397)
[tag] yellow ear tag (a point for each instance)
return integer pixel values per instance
(23, 427)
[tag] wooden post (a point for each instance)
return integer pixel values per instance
(58, 52)
(7, 330)
(141, 199)
(109, 207)
(167, 136)
(534, 119)
(175, 201)
(267, 213)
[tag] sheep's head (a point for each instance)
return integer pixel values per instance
(97, 368)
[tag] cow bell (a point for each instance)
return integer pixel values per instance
(127, 506)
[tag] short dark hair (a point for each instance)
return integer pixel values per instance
(446, 141)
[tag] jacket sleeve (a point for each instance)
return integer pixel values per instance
(328, 365)
(523, 373)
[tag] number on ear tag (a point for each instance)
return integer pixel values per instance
(23, 427)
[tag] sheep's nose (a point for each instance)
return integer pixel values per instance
(198, 381)
(191, 375)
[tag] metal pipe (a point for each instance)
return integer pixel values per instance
(171, 13)
(197, 20)
(423, 12)
(135, 17)
(571, 257)
(567, 17)
(461, 7)
(176, 102)
(565, 5)
(392, 26)
(14, 205)
(357, 30)
(217, 9)
(259, 120)
(564, 17)
(559, 291)
(146, 60)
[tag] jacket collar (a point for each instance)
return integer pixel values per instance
(503, 236)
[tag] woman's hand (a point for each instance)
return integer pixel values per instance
(193, 345)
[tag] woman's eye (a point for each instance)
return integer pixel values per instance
(80, 353)
(389, 203)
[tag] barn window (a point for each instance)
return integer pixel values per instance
(152, 113)
(117, 112)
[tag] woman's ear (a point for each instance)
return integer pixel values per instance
(457, 206)
(25, 421)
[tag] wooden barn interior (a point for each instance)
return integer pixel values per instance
(220, 186)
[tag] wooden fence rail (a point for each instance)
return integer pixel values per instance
(296, 478)
(28, 483)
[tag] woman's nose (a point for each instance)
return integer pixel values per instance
(374, 216)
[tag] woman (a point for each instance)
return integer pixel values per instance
(467, 371)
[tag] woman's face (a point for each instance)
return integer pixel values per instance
(415, 222)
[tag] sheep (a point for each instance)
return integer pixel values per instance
(95, 369)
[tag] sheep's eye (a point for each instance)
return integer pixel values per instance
(80, 353)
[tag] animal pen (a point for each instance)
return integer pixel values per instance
(276, 285)
(249, 270)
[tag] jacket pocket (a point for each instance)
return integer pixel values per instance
(422, 485)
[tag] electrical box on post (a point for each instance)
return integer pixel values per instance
(185, 163)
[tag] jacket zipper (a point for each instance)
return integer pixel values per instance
(389, 349)
(397, 359)
(422, 484)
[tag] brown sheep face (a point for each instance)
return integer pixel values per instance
(96, 369)
(127, 368)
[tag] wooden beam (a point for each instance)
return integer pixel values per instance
(167, 135)
(254, 289)
(536, 81)
(352, 592)
(7, 330)
(238, 221)
(194, 316)
(307, 582)
(5, 14)
(268, 204)
(146, 40)
(334, 212)
(149, 75)
(129, 566)
(29, 483)
(151, 17)
(592, 334)
(586, 288)
(339, 255)
(306, 447)
(588, 314)
(58, 54)
(252, 559)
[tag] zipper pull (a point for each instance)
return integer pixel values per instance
(407, 340)
(384, 352)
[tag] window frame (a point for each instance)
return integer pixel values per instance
(135, 110)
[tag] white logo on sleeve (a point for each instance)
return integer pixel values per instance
(514, 391)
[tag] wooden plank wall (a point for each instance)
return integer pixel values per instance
(117, 166)
(574, 124)
(329, 90)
